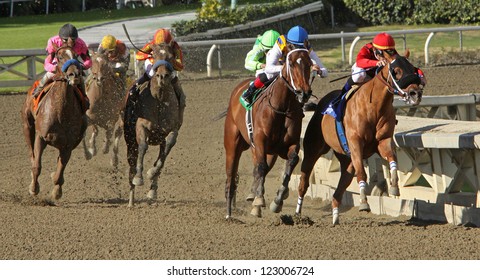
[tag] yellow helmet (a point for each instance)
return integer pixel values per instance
(109, 43)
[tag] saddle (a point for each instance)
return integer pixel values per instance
(36, 101)
(336, 108)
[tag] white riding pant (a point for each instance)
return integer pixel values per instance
(359, 75)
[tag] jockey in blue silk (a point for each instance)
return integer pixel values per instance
(297, 37)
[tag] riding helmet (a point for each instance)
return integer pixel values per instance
(269, 38)
(297, 35)
(384, 41)
(162, 36)
(109, 43)
(67, 31)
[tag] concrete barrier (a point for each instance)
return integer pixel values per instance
(439, 171)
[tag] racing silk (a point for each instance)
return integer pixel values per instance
(120, 55)
(80, 49)
(277, 55)
(255, 58)
(366, 59)
(177, 52)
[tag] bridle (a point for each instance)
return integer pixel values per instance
(394, 87)
(290, 81)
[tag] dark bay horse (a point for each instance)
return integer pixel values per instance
(277, 122)
(58, 121)
(106, 92)
(154, 121)
(369, 122)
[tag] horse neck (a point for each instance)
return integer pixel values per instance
(282, 95)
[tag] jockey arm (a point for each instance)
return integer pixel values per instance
(272, 64)
(82, 50)
(178, 60)
(318, 65)
(255, 59)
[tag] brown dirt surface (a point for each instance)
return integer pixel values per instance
(187, 222)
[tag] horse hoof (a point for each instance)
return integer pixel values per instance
(259, 201)
(88, 155)
(137, 181)
(256, 211)
(276, 208)
(336, 220)
(114, 162)
(250, 197)
(34, 189)
(394, 191)
(152, 194)
(364, 207)
(57, 192)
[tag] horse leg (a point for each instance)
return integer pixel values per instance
(38, 148)
(271, 159)
(277, 204)
(234, 147)
(92, 146)
(357, 161)
(132, 154)
(387, 151)
(108, 139)
(117, 135)
(261, 171)
(347, 172)
(58, 179)
(165, 148)
(86, 152)
(142, 150)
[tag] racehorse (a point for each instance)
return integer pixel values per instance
(277, 120)
(105, 90)
(59, 120)
(154, 121)
(369, 122)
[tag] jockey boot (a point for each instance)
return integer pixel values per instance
(135, 89)
(247, 95)
(40, 86)
(347, 86)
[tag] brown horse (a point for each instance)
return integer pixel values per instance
(154, 121)
(106, 91)
(369, 123)
(277, 122)
(58, 121)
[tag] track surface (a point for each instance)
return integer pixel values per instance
(92, 220)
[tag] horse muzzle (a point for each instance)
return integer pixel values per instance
(414, 95)
(303, 96)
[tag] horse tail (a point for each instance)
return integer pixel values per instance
(310, 106)
(220, 116)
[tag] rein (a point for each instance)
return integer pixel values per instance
(290, 84)
(397, 90)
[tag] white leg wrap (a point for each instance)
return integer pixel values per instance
(393, 166)
(299, 205)
(335, 211)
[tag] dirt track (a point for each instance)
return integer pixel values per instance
(92, 220)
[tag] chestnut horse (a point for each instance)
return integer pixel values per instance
(369, 122)
(277, 122)
(154, 121)
(58, 121)
(106, 92)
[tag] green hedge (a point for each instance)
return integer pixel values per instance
(381, 12)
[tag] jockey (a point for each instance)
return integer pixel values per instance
(68, 35)
(297, 37)
(255, 62)
(370, 57)
(161, 36)
(117, 53)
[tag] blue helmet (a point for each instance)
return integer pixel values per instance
(297, 35)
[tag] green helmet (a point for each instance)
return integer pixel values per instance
(269, 38)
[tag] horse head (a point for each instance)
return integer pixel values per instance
(100, 69)
(68, 66)
(296, 73)
(404, 79)
(162, 55)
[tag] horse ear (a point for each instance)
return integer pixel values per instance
(407, 53)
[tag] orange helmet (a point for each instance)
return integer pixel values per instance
(384, 41)
(162, 36)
